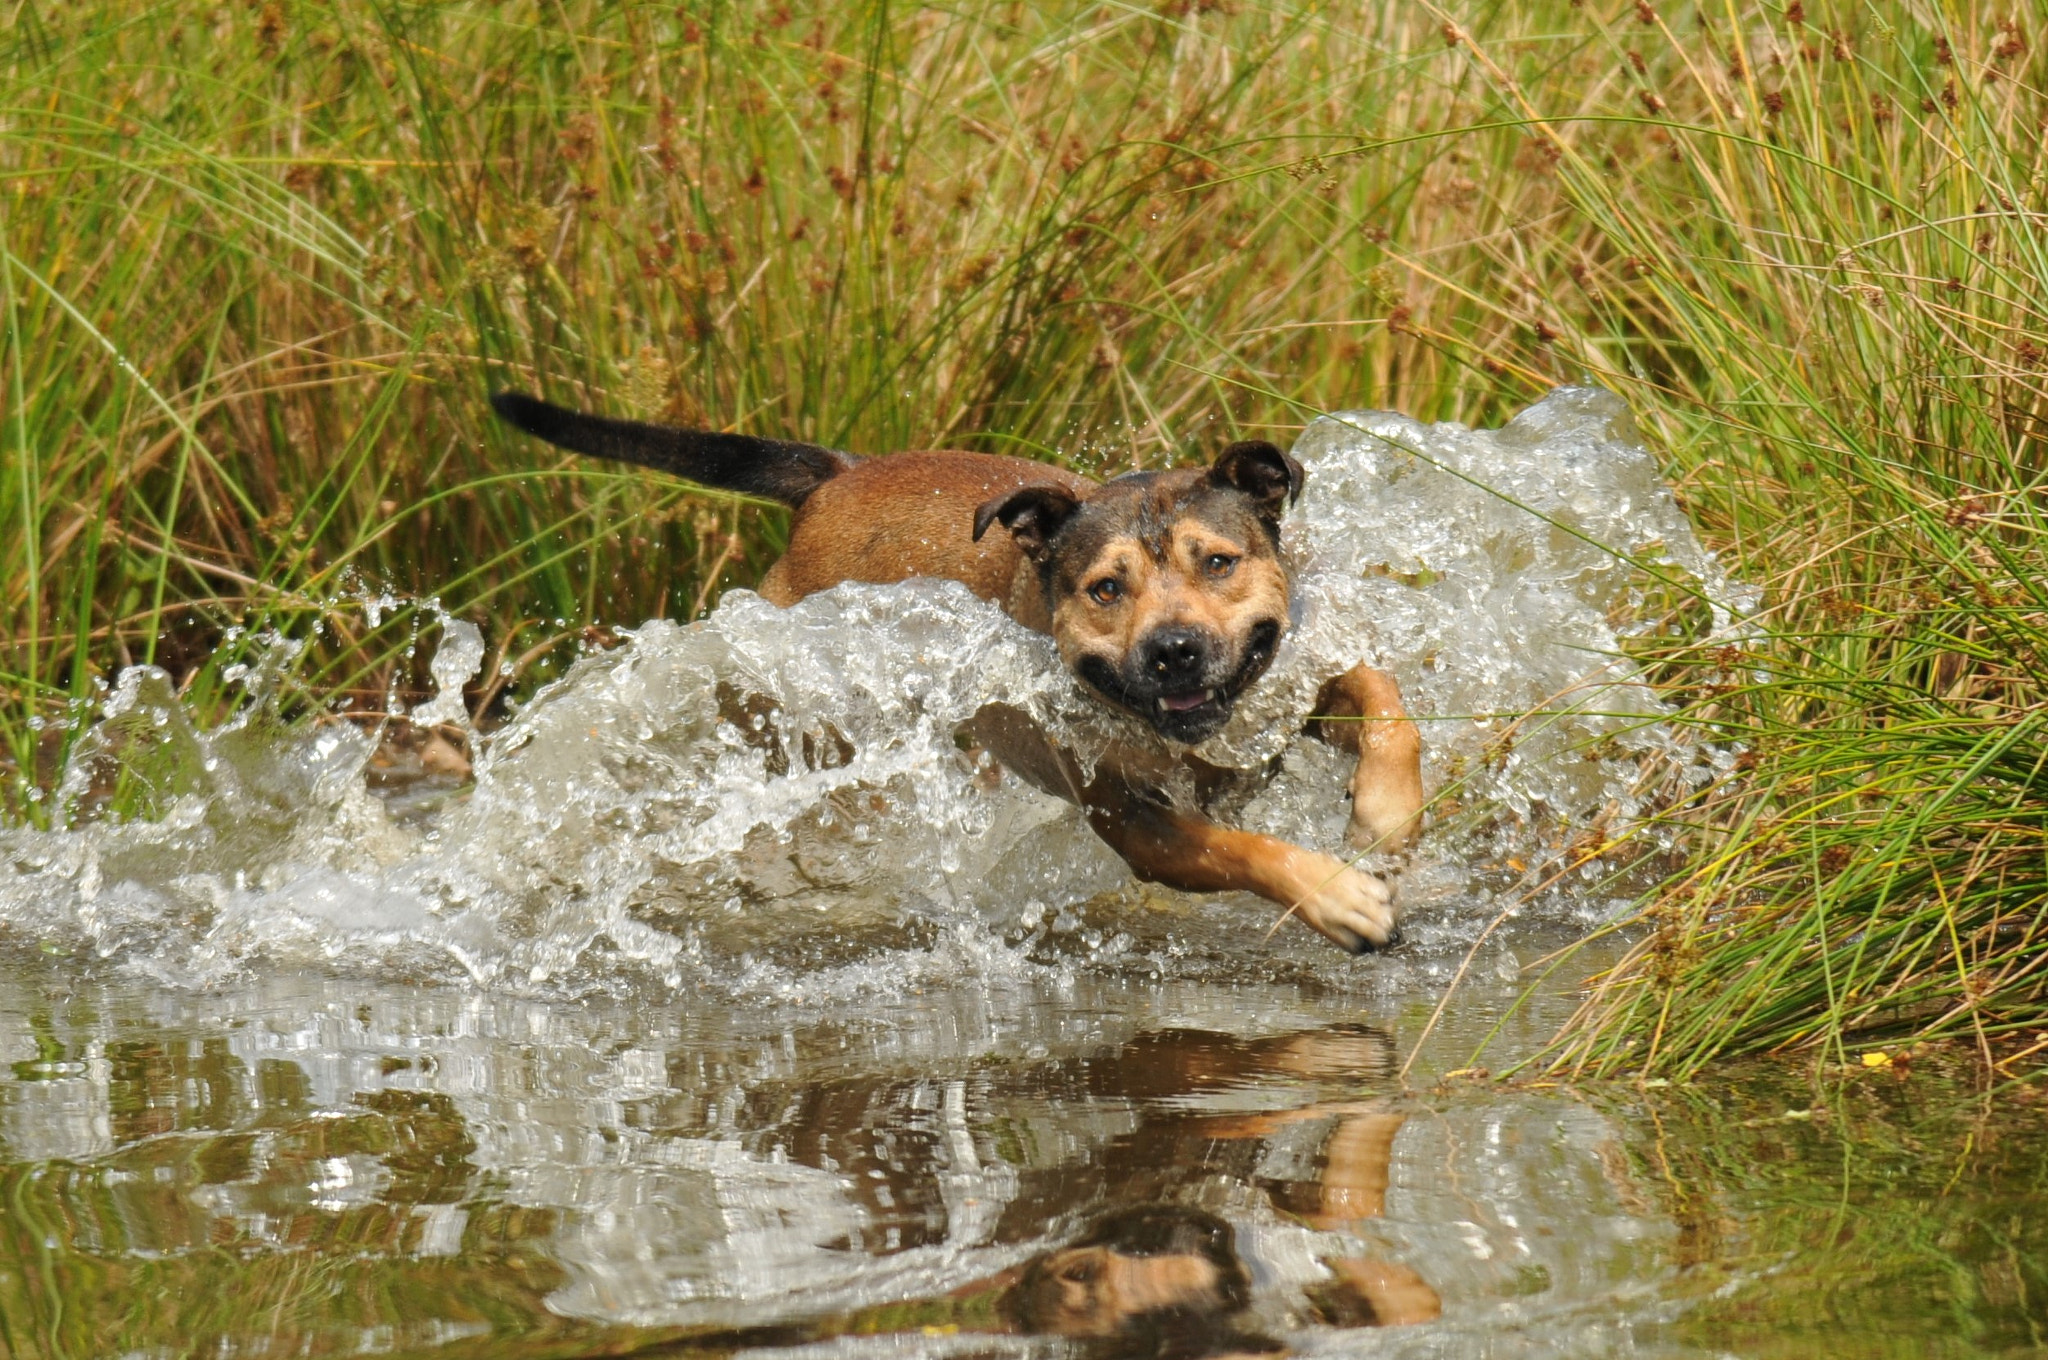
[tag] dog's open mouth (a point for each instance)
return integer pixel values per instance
(1191, 717)
(1188, 716)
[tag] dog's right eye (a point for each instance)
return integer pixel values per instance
(1106, 591)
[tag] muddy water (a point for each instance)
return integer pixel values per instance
(733, 1006)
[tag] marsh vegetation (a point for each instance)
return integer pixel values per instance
(263, 261)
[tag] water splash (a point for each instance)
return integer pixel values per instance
(455, 663)
(768, 796)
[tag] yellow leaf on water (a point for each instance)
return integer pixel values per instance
(1877, 1060)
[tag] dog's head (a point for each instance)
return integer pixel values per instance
(1166, 590)
(1158, 1272)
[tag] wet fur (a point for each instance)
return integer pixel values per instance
(1125, 576)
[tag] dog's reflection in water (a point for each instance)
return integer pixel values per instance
(1165, 1281)
(1158, 1280)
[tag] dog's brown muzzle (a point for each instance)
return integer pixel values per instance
(1183, 682)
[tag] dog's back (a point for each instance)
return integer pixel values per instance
(879, 520)
(912, 514)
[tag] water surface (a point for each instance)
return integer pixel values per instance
(326, 1166)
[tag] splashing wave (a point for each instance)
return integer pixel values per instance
(761, 796)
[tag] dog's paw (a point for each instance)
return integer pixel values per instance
(1354, 910)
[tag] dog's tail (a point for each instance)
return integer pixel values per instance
(770, 468)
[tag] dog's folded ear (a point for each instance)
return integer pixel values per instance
(1032, 515)
(1262, 472)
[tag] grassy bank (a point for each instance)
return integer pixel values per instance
(263, 261)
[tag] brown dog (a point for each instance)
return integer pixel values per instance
(1167, 596)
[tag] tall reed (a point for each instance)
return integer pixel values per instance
(1860, 288)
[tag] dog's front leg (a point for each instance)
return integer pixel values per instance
(1183, 849)
(1167, 844)
(1360, 711)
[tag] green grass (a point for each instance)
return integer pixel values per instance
(260, 263)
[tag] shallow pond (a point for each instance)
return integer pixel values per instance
(323, 1166)
(733, 1007)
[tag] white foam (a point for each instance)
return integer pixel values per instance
(455, 663)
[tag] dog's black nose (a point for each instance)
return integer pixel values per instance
(1175, 654)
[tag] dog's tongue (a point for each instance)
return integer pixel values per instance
(1181, 703)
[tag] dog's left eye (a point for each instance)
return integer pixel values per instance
(1220, 564)
(1105, 591)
